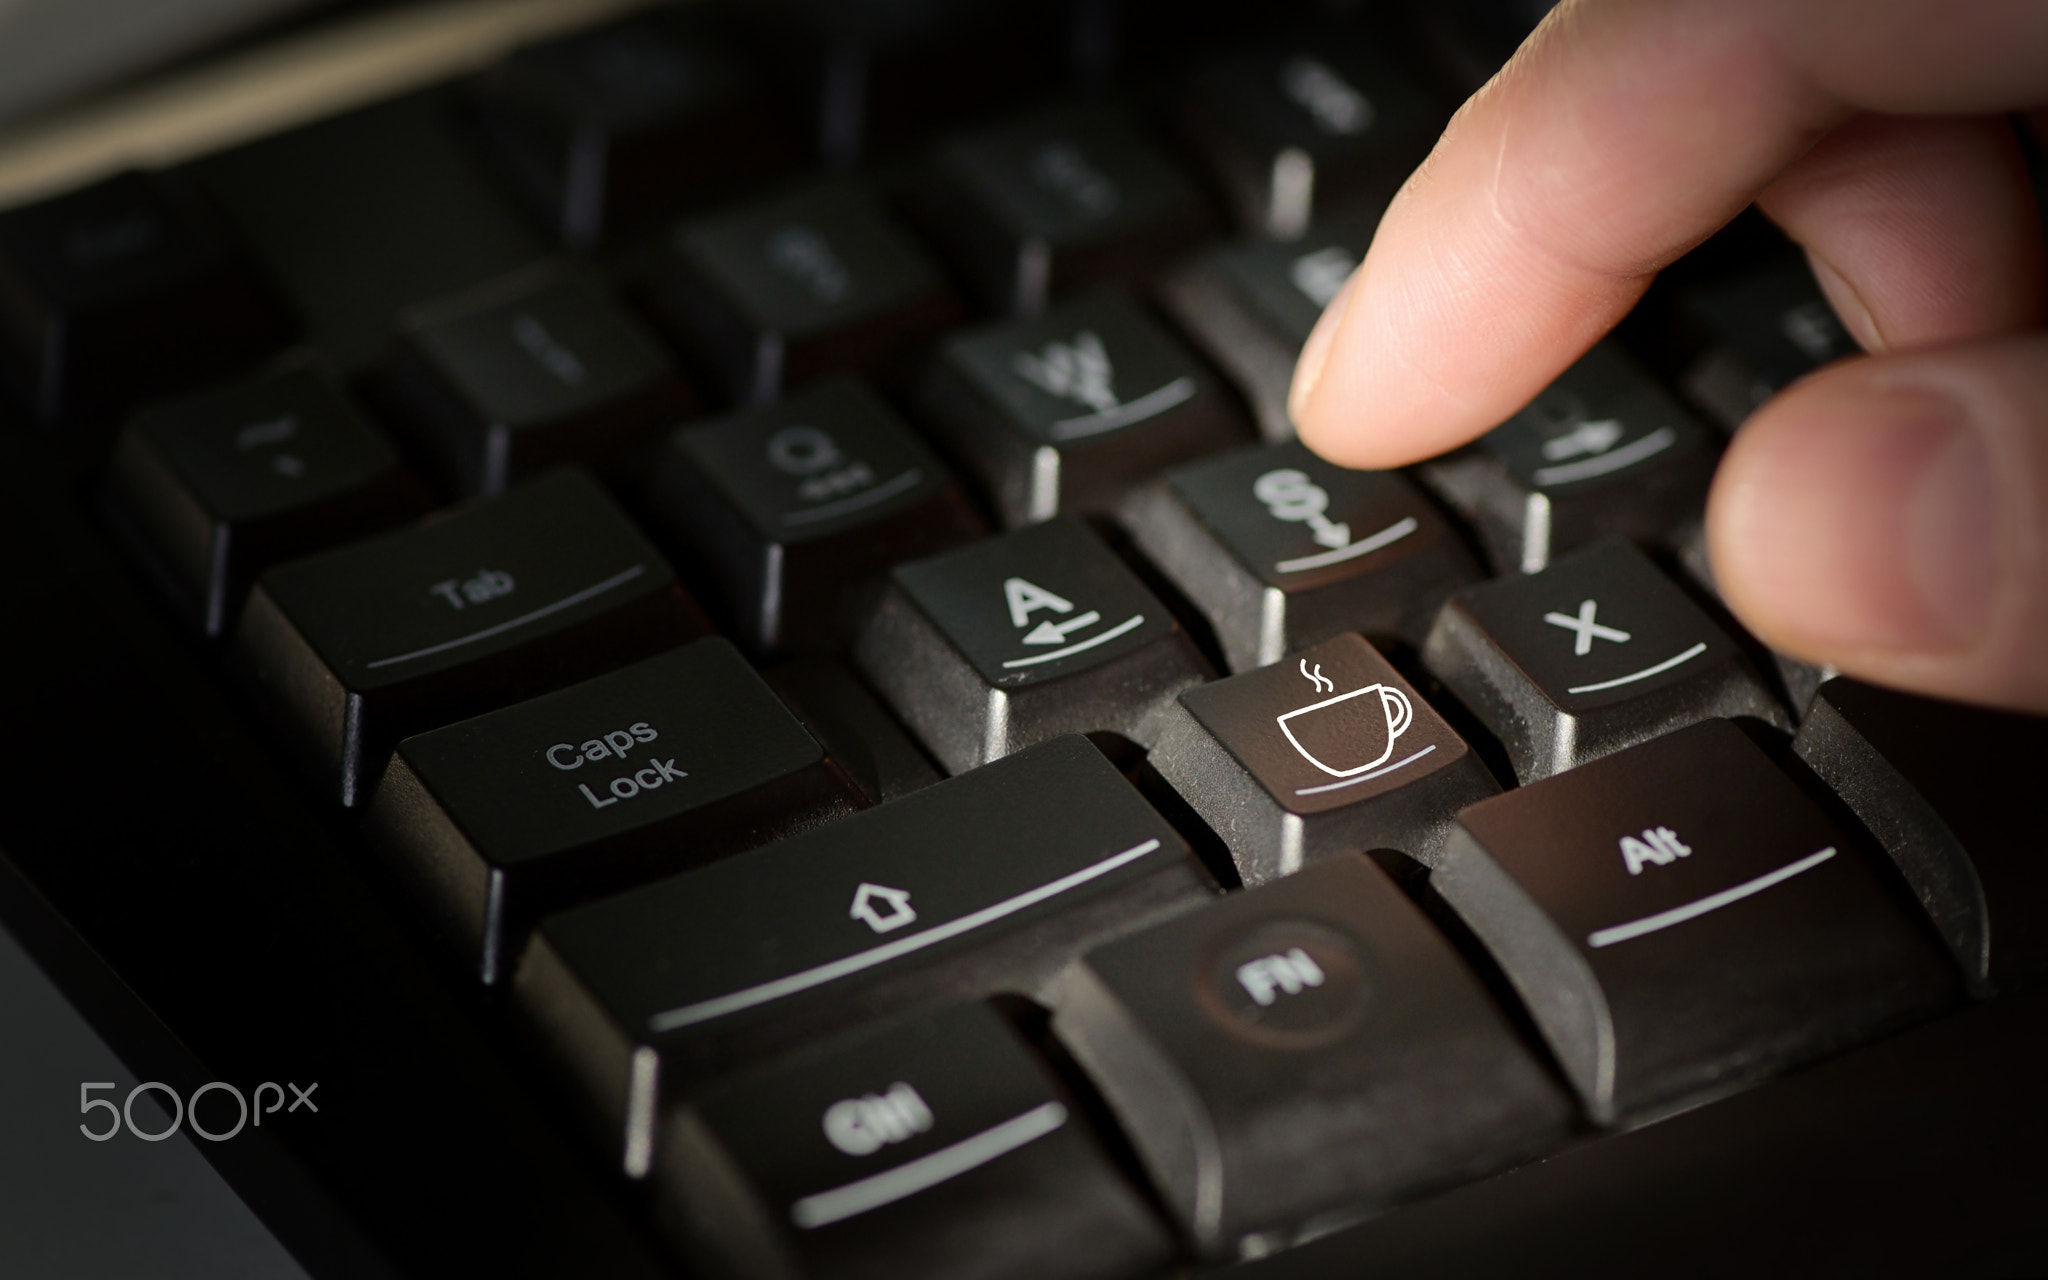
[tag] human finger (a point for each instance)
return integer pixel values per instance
(1889, 516)
(1622, 134)
(1922, 231)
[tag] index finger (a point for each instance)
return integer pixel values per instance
(1623, 133)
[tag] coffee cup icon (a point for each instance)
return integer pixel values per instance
(1347, 725)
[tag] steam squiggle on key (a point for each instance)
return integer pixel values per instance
(1323, 685)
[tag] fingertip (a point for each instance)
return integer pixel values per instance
(1308, 367)
(1882, 517)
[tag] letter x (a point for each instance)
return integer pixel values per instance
(304, 1098)
(1586, 627)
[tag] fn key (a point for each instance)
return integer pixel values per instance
(495, 602)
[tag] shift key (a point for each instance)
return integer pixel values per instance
(488, 604)
(986, 882)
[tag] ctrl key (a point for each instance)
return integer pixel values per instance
(935, 1145)
(1301, 1053)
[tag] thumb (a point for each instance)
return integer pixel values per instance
(1890, 516)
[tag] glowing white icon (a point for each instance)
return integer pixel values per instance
(1394, 705)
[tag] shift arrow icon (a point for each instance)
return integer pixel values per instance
(882, 908)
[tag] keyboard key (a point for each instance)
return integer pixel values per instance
(992, 647)
(870, 77)
(795, 286)
(1680, 917)
(1329, 753)
(1250, 307)
(1595, 653)
(1603, 450)
(527, 372)
(502, 599)
(1065, 412)
(1943, 787)
(1305, 125)
(215, 488)
(799, 508)
(903, 1151)
(363, 215)
(1067, 196)
(1281, 550)
(617, 128)
(1307, 1050)
(1763, 328)
(124, 288)
(659, 766)
(855, 729)
(982, 883)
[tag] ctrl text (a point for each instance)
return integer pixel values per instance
(862, 1126)
(184, 1111)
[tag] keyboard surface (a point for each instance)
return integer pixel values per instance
(718, 629)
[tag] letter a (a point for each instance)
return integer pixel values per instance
(1026, 596)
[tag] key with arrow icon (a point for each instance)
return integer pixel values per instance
(1603, 449)
(999, 644)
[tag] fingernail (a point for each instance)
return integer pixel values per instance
(1869, 524)
(1848, 304)
(1308, 369)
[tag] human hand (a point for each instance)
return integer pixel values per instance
(1888, 515)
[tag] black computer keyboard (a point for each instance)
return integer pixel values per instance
(718, 630)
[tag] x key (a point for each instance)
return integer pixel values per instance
(1557, 703)
(1588, 629)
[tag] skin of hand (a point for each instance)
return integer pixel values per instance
(1887, 514)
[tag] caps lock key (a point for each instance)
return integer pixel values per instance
(655, 767)
(484, 605)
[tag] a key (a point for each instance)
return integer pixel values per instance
(617, 128)
(799, 507)
(1305, 125)
(1595, 653)
(215, 488)
(854, 728)
(989, 648)
(502, 599)
(1942, 786)
(1761, 328)
(527, 372)
(1067, 411)
(1602, 450)
(981, 883)
(365, 214)
(1067, 196)
(800, 284)
(656, 767)
(1680, 917)
(902, 1151)
(868, 78)
(1281, 550)
(125, 288)
(1330, 752)
(1310, 1049)
(1251, 306)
